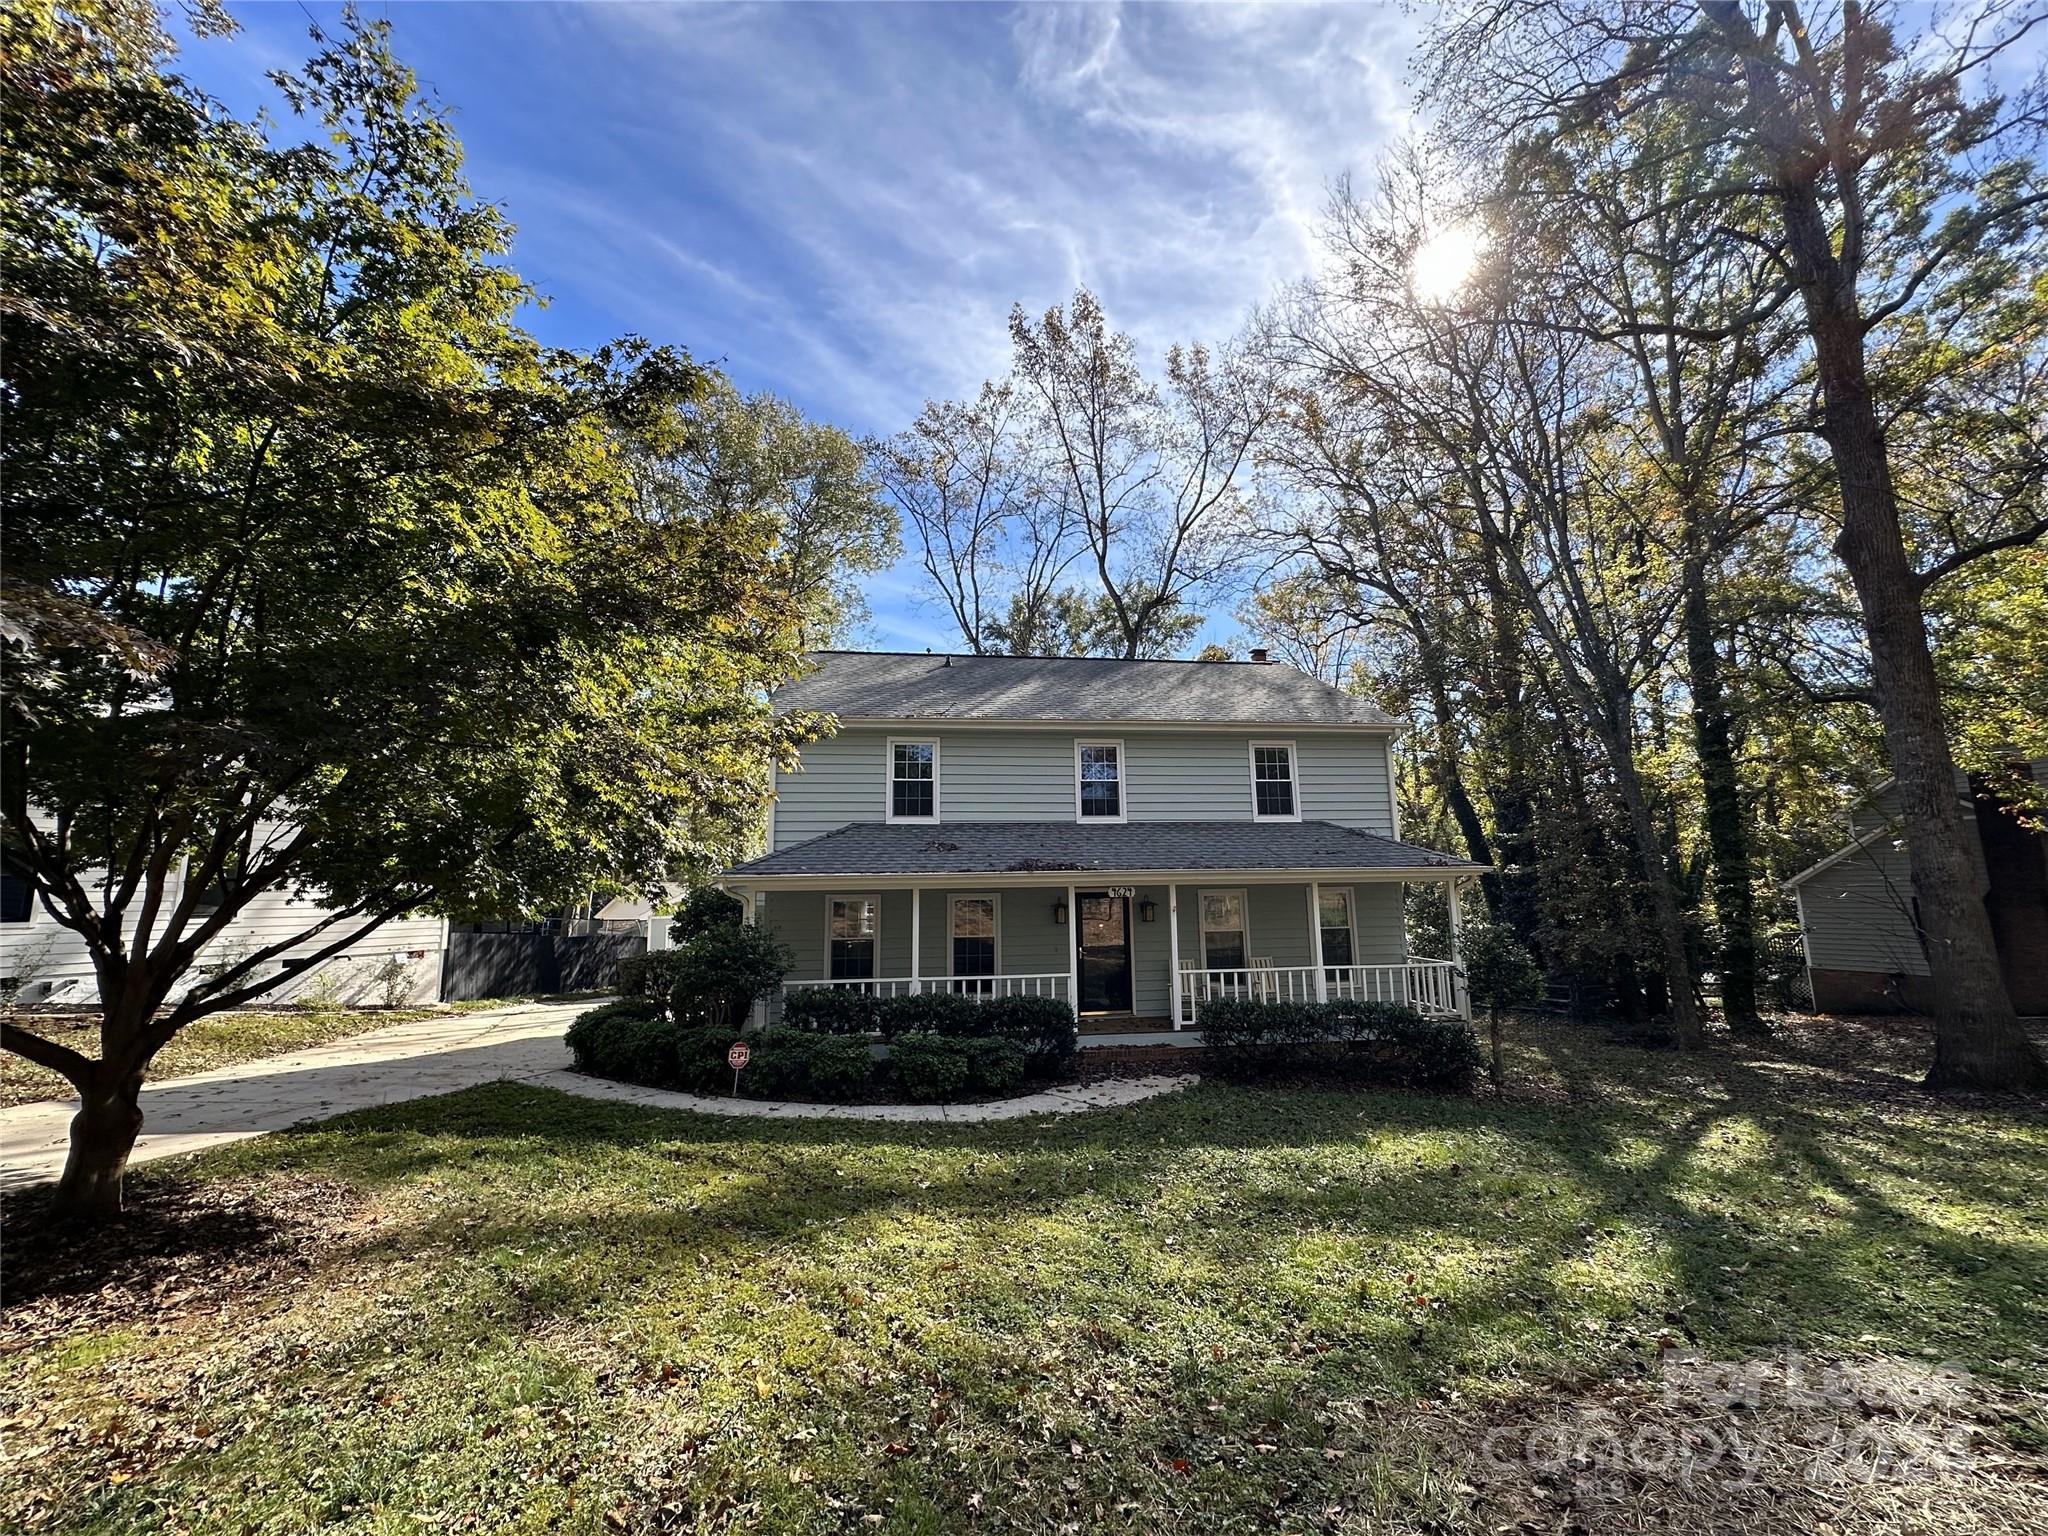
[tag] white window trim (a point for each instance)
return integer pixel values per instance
(952, 901)
(1203, 930)
(825, 970)
(889, 779)
(1350, 919)
(1251, 768)
(1123, 781)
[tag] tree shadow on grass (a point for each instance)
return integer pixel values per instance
(187, 1233)
(650, 1188)
(1197, 1285)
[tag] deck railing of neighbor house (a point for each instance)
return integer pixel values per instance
(1050, 984)
(1429, 986)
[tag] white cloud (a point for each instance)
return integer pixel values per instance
(921, 169)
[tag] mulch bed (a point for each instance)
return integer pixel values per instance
(183, 1248)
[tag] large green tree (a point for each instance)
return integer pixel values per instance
(323, 575)
(1895, 191)
(750, 456)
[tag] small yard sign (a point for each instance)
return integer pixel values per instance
(737, 1056)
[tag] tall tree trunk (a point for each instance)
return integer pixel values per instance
(1449, 767)
(1655, 862)
(1727, 829)
(1514, 811)
(1977, 1038)
(1978, 1042)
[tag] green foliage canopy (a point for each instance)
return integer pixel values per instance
(323, 574)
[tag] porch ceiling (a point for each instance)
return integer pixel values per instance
(1036, 852)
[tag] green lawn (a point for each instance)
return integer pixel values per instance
(222, 1040)
(1225, 1310)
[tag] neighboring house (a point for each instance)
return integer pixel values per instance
(1860, 923)
(41, 961)
(1134, 836)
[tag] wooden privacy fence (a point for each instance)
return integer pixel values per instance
(483, 965)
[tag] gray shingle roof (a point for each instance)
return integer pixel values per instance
(1033, 847)
(905, 685)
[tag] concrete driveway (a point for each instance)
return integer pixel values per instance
(386, 1066)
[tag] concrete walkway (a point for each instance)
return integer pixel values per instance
(434, 1056)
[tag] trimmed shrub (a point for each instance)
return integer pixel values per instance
(832, 1011)
(1384, 1041)
(721, 971)
(651, 975)
(700, 1059)
(629, 1040)
(795, 1064)
(1244, 1039)
(1043, 1027)
(942, 1013)
(703, 910)
(994, 1067)
(935, 1069)
(931, 1068)
(840, 1067)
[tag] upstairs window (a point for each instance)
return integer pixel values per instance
(1273, 797)
(1099, 780)
(853, 927)
(913, 781)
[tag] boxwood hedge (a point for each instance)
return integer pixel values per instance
(1043, 1028)
(1386, 1042)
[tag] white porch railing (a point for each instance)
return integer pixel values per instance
(1047, 984)
(1429, 986)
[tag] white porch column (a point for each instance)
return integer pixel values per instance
(1457, 950)
(1173, 948)
(1073, 953)
(916, 939)
(757, 1016)
(1315, 938)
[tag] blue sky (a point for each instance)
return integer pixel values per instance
(840, 203)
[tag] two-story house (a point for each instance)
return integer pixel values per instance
(1133, 836)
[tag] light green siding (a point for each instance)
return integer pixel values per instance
(1034, 945)
(1278, 919)
(1028, 775)
(1857, 916)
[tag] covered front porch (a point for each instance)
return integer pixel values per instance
(1305, 912)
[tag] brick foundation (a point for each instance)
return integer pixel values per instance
(1868, 992)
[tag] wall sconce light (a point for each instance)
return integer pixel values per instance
(1059, 913)
(1147, 910)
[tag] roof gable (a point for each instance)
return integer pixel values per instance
(1084, 690)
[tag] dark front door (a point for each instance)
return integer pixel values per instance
(1103, 931)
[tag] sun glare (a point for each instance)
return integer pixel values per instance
(1443, 262)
